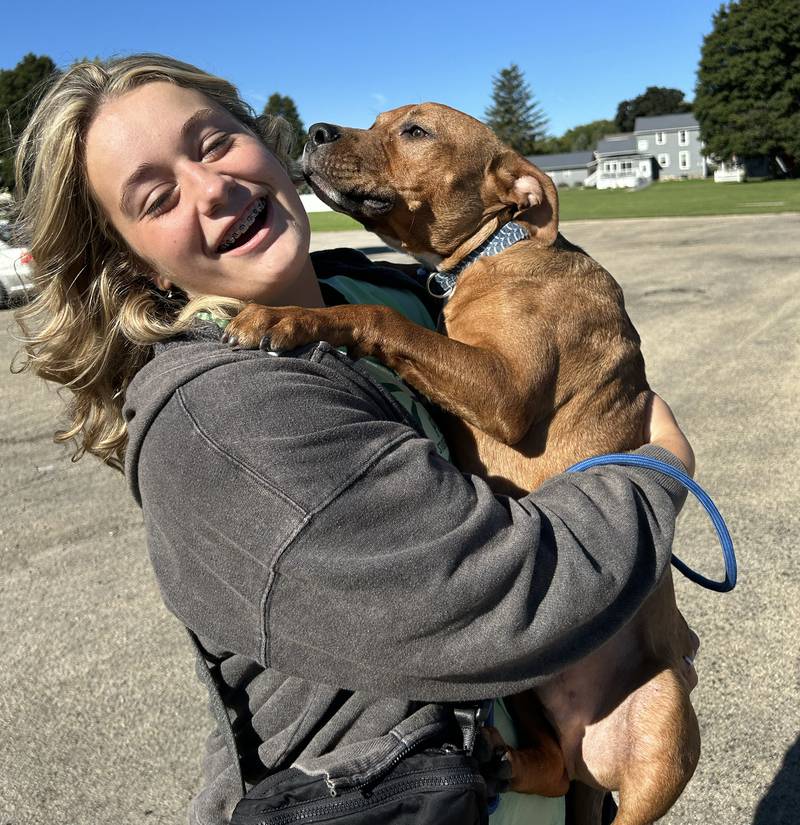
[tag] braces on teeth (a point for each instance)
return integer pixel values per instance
(245, 224)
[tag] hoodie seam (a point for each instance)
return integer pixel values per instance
(218, 448)
(266, 600)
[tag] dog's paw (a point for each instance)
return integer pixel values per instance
(271, 328)
(531, 770)
(493, 755)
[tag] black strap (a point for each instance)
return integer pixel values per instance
(354, 264)
(470, 720)
(208, 676)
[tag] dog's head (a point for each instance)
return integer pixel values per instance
(429, 179)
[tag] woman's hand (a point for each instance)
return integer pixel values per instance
(662, 429)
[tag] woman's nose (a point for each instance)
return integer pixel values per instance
(210, 188)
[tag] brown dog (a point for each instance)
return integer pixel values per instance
(542, 367)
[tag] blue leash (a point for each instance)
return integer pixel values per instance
(702, 496)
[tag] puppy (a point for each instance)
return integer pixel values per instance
(540, 367)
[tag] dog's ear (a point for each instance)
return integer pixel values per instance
(532, 193)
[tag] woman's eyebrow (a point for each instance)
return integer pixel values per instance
(144, 169)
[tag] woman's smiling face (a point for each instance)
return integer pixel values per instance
(199, 197)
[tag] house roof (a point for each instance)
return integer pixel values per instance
(682, 120)
(565, 160)
(624, 144)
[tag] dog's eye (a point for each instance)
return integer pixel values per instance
(414, 131)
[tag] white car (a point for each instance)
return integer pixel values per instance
(16, 282)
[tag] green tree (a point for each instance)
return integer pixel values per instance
(20, 89)
(581, 138)
(284, 106)
(655, 100)
(551, 145)
(586, 136)
(748, 82)
(515, 116)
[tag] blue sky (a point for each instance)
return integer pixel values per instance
(347, 60)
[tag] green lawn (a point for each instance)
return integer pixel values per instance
(668, 199)
(681, 198)
(332, 222)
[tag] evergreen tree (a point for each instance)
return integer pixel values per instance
(514, 115)
(748, 82)
(656, 100)
(284, 106)
(20, 89)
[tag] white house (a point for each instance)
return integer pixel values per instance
(620, 164)
(566, 169)
(674, 141)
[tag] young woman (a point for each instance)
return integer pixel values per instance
(340, 574)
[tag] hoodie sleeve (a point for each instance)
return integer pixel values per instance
(293, 518)
(417, 581)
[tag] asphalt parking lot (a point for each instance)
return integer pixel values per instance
(101, 718)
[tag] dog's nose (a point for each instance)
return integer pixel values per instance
(323, 133)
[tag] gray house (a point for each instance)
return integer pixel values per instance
(567, 169)
(621, 165)
(674, 141)
(666, 147)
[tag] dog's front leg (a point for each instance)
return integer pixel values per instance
(479, 384)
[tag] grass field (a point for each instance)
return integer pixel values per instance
(669, 199)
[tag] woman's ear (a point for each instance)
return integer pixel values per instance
(530, 191)
(162, 283)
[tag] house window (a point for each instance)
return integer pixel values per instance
(663, 161)
(661, 138)
(683, 160)
(642, 144)
(644, 167)
(610, 166)
(683, 137)
(626, 167)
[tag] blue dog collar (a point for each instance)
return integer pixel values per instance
(506, 236)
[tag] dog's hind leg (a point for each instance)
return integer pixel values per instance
(663, 749)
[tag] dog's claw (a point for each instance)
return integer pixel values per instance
(224, 338)
(265, 344)
(505, 770)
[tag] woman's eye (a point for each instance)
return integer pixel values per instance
(217, 147)
(161, 204)
(414, 131)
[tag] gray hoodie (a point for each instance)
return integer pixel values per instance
(342, 577)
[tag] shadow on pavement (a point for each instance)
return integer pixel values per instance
(780, 804)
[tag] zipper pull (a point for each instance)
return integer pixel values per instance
(331, 786)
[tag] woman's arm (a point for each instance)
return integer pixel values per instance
(294, 517)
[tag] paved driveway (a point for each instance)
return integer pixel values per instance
(101, 719)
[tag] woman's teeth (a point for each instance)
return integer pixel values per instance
(244, 223)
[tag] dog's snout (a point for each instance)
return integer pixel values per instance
(321, 133)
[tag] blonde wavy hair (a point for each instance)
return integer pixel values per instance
(97, 311)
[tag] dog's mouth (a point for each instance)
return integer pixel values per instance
(357, 203)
